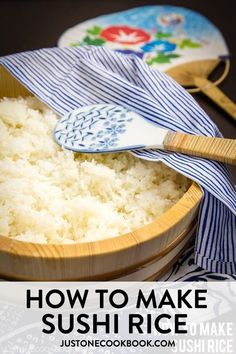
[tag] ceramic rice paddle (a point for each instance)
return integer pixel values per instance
(104, 128)
(179, 41)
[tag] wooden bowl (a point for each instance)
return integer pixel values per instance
(106, 259)
(153, 247)
(159, 265)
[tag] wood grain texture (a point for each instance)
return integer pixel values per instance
(140, 271)
(9, 86)
(216, 95)
(219, 149)
(102, 259)
(196, 73)
(161, 272)
(93, 260)
(185, 73)
(163, 259)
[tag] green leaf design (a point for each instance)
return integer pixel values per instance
(162, 58)
(95, 30)
(173, 55)
(188, 43)
(93, 41)
(75, 44)
(161, 35)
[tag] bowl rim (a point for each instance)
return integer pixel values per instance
(174, 215)
(131, 269)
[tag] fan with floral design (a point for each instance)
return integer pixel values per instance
(176, 40)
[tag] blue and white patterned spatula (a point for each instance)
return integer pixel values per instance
(106, 128)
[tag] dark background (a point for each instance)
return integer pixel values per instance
(26, 25)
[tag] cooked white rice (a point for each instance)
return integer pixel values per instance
(50, 195)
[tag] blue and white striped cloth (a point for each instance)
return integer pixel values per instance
(67, 78)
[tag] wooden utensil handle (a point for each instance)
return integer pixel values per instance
(216, 95)
(219, 149)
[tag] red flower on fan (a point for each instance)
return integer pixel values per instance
(125, 35)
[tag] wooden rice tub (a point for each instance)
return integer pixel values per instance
(144, 254)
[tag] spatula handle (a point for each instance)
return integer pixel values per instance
(219, 149)
(214, 93)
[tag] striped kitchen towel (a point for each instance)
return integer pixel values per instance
(67, 78)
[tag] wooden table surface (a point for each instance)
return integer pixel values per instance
(30, 24)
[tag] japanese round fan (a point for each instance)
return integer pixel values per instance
(179, 41)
